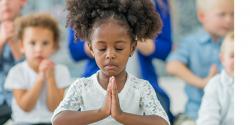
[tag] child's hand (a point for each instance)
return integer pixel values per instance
(212, 72)
(116, 111)
(47, 68)
(50, 72)
(6, 31)
(106, 108)
(42, 68)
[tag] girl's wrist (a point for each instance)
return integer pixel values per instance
(102, 113)
(120, 117)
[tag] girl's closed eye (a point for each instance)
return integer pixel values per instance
(119, 48)
(102, 49)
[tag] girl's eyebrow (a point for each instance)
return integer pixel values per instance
(116, 42)
(100, 42)
(120, 41)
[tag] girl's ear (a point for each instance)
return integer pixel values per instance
(91, 49)
(133, 47)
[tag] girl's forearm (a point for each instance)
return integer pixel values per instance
(78, 118)
(132, 119)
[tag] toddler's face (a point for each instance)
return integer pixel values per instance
(38, 44)
(227, 58)
(111, 47)
(9, 9)
(219, 19)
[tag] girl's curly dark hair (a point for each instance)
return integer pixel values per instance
(139, 16)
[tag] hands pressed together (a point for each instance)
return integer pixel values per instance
(47, 70)
(6, 31)
(111, 105)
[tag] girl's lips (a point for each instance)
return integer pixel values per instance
(110, 67)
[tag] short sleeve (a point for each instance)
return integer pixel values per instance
(182, 53)
(150, 103)
(15, 79)
(62, 76)
(72, 101)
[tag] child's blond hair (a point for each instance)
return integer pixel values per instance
(206, 4)
(42, 20)
(229, 39)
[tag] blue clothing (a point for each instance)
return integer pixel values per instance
(198, 52)
(6, 62)
(163, 45)
(77, 52)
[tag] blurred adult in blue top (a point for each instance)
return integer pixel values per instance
(141, 63)
(10, 53)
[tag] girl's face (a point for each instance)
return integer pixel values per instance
(111, 47)
(38, 44)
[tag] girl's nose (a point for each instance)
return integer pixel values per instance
(110, 54)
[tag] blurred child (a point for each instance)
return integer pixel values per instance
(112, 96)
(197, 59)
(10, 53)
(37, 83)
(217, 107)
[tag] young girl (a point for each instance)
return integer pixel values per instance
(37, 83)
(111, 96)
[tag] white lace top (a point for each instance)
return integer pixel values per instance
(137, 97)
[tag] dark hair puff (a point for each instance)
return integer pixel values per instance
(140, 16)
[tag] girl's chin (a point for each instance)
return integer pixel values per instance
(109, 73)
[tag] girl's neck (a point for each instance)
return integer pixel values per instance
(120, 80)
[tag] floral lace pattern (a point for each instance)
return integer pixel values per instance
(85, 93)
